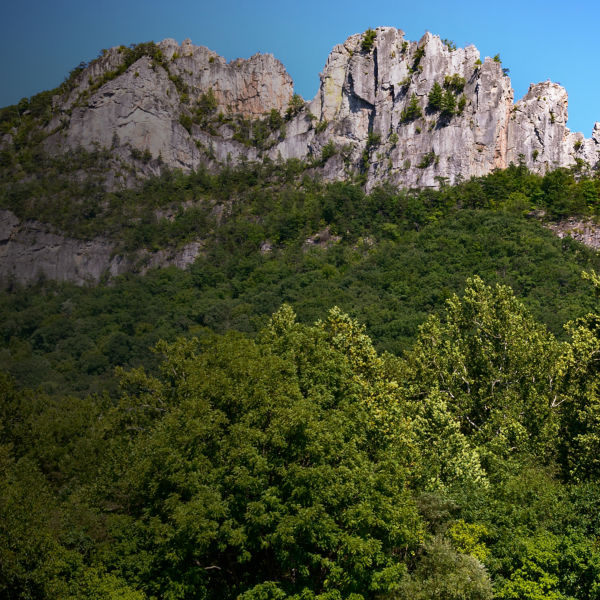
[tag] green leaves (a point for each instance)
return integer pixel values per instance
(304, 464)
(412, 111)
(278, 460)
(448, 104)
(435, 97)
(369, 37)
(495, 365)
(445, 573)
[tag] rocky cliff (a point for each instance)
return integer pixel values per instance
(374, 105)
(388, 109)
(141, 108)
(31, 250)
(379, 102)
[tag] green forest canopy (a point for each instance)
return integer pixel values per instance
(388, 258)
(303, 463)
(447, 448)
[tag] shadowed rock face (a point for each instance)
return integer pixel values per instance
(30, 250)
(139, 108)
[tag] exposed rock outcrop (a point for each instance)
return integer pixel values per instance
(249, 87)
(141, 108)
(367, 95)
(373, 104)
(363, 92)
(29, 251)
(585, 231)
(376, 113)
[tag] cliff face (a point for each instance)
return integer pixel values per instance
(373, 105)
(141, 108)
(364, 91)
(30, 250)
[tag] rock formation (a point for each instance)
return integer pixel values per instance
(373, 105)
(141, 108)
(371, 91)
(30, 251)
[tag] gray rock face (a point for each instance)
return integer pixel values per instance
(364, 93)
(537, 128)
(583, 230)
(249, 87)
(29, 251)
(361, 107)
(141, 108)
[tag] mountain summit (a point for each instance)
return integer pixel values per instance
(391, 109)
(395, 110)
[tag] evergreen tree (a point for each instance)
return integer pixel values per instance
(412, 111)
(448, 104)
(435, 97)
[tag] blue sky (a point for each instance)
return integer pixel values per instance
(41, 41)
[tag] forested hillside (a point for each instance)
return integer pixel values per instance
(347, 395)
(302, 463)
(272, 234)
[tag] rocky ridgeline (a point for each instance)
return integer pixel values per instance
(412, 113)
(373, 112)
(373, 90)
(142, 107)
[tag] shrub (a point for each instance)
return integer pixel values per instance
(412, 111)
(373, 139)
(419, 54)
(328, 151)
(186, 122)
(455, 82)
(295, 105)
(428, 159)
(207, 103)
(368, 40)
(405, 82)
(205, 109)
(275, 119)
(321, 126)
(448, 104)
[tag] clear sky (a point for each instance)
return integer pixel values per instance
(42, 40)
